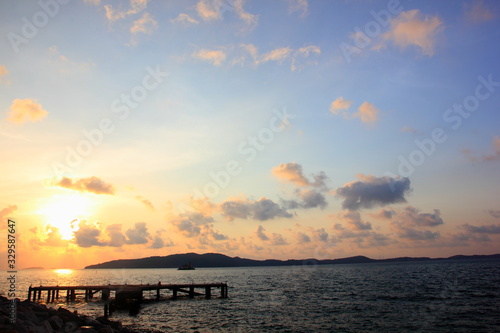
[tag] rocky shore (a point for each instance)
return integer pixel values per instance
(37, 318)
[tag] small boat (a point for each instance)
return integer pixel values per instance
(186, 267)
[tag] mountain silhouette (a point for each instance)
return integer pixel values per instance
(221, 260)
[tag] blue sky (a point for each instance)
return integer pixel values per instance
(120, 117)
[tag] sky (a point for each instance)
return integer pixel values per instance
(260, 129)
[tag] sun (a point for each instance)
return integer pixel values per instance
(61, 210)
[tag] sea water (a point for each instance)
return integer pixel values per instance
(434, 296)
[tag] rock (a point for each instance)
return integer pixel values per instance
(37, 318)
(47, 327)
(68, 316)
(4, 320)
(106, 329)
(89, 321)
(24, 313)
(114, 324)
(41, 315)
(56, 322)
(70, 327)
(6, 328)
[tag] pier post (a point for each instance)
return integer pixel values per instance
(105, 294)
(208, 292)
(158, 294)
(174, 293)
(223, 291)
(57, 294)
(67, 295)
(29, 294)
(48, 295)
(191, 291)
(73, 295)
(39, 294)
(106, 309)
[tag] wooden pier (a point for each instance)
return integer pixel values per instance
(123, 293)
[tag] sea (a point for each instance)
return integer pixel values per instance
(431, 296)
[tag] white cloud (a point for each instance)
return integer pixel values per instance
(301, 6)
(93, 2)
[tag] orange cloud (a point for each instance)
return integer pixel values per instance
(146, 202)
(146, 25)
(91, 184)
(23, 110)
(184, 18)
(5, 214)
(291, 172)
(495, 156)
(478, 12)
(136, 6)
(208, 11)
(216, 57)
(411, 28)
(340, 104)
(3, 72)
(249, 18)
(277, 55)
(367, 112)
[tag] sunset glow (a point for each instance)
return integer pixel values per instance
(259, 129)
(64, 212)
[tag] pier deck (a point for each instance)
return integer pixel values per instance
(127, 291)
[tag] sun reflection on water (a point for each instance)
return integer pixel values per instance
(63, 271)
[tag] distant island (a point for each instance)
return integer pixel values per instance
(221, 260)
